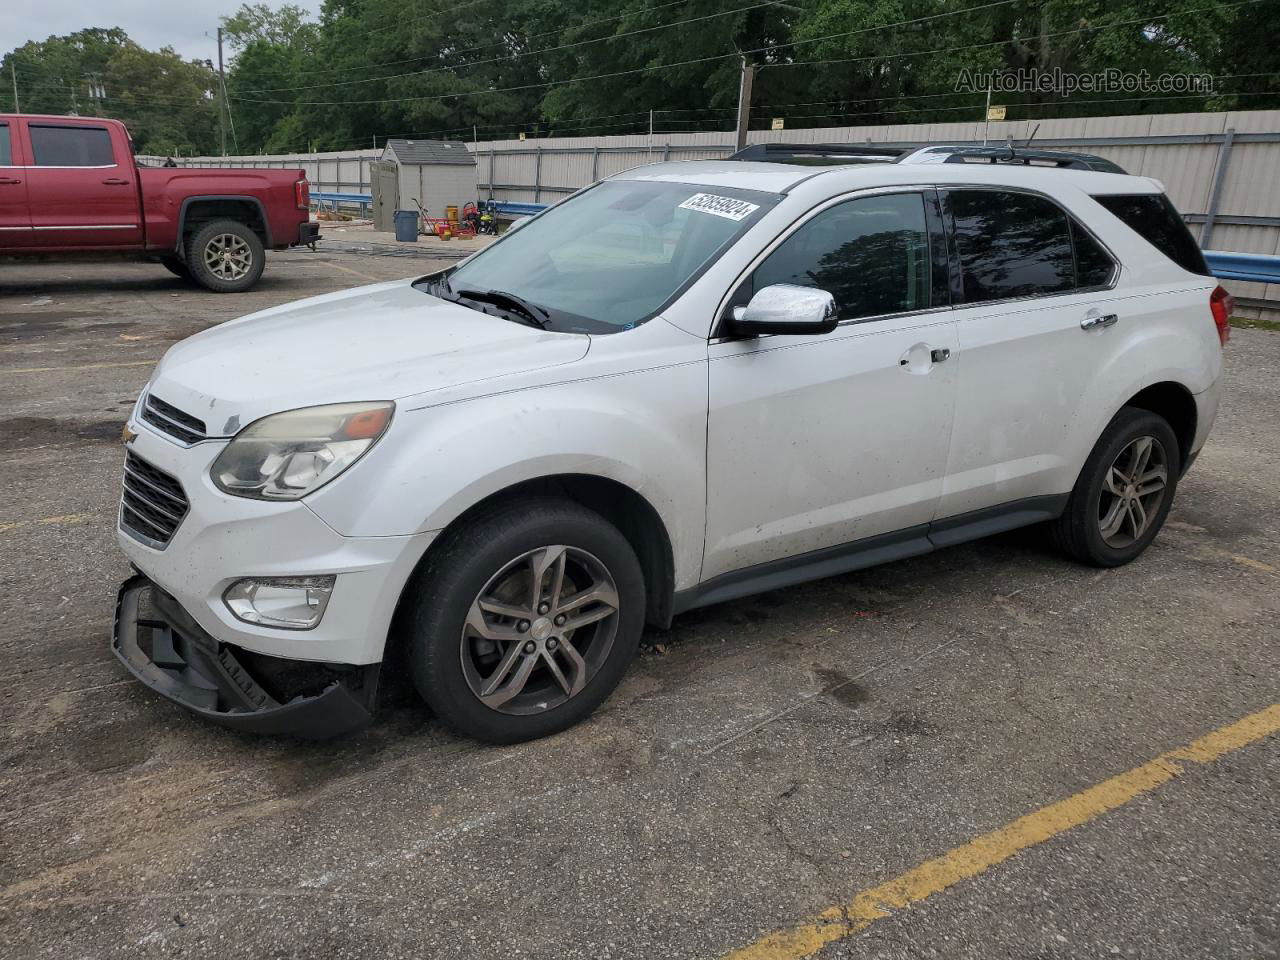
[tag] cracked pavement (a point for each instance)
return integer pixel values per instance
(778, 755)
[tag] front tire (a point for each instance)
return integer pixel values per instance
(225, 256)
(525, 621)
(1124, 493)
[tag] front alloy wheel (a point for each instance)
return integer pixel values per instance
(524, 619)
(539, 630)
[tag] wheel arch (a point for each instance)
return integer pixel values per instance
(1177, 405)
(199, 210)
(627, 509)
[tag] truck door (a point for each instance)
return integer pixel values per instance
(15, 216)
(82, 186)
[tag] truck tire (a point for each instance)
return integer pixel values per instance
(176, 266)
(225, 256)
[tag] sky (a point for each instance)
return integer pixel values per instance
(187, 26)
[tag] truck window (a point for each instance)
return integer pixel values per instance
(1154, 218)
(5, 156)
(59, 146)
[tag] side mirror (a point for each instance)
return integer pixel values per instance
(784, 308)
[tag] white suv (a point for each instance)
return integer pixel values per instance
(685, 384)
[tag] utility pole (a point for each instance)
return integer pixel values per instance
(650, 136)
(744, 100)
(13, 72)
(222, 97)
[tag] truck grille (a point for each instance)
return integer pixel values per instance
(153, 503)
(167, 418)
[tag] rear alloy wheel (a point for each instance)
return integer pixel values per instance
(525, 620)
(1124, 492)
(225, 256)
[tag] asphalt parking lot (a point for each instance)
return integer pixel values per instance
(840, 767)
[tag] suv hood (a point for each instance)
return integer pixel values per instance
(381, 342)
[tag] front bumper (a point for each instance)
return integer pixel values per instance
(161, 645)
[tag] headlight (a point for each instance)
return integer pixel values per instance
(287, 455)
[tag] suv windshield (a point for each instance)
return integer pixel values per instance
(610, 257)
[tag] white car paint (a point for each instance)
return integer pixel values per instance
(748, 451)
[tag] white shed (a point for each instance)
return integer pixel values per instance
(435, 173)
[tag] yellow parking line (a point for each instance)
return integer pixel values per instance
(47, 521)
(85, 366)
(981, 854)
(363, 276)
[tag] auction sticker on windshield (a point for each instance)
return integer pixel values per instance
(726, 207)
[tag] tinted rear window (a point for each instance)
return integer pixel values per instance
(1153, 217)
(71, 146)
(1011, 245)
(4, 145)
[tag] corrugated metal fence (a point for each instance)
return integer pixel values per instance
(1222, 170)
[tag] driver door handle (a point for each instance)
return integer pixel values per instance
(1099, 321)
(115, 182)
(9, 180)
(940, 354)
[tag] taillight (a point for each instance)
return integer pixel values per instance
(302, 193)
(1222, 305)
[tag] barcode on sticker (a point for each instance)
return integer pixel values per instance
(726, 207)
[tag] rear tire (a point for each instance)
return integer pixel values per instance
(1124, 493)
(496, 664)
(225, 256)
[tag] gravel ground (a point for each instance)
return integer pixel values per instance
(764, 759)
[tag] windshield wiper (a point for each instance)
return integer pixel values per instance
(530, 313)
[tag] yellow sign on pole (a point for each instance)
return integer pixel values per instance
(521, 134)
(995, 113)
(777, 124)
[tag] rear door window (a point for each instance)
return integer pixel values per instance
(1153, 217)
(6, 156)
(70, 146)
(1011, 244)
(1094, 266)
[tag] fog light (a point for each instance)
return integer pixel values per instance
(291, 603)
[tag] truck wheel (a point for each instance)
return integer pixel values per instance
(225, 256)
(176, 266)
(524, 621)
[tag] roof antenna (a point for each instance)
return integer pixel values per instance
(1032, 137)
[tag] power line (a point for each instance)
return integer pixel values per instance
(664, 66)
(772, 48)
(486, 46)
(533, 53)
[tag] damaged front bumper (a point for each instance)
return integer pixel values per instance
(167, 650)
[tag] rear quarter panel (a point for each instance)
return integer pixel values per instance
(166, 189)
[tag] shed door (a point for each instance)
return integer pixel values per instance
(386, 194)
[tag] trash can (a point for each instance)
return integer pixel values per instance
(406, 225)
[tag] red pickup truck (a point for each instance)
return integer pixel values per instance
(70, 186)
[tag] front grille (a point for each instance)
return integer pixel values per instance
(167, 418)
(153, 503)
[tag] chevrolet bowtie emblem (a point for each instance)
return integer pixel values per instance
(127, 436)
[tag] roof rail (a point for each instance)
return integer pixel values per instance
(1018, 155)
(832, 154)
(818, 154)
